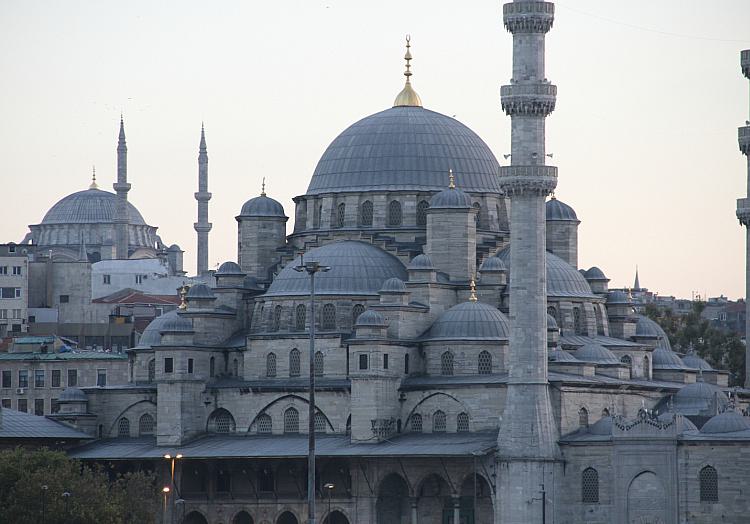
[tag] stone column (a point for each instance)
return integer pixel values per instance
(743, 214)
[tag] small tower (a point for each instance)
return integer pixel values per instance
(121, 187)
(562, 231)
(743, 214)
(202, 226)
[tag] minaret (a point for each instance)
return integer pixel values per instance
(202, 226)
(121, 187)
(528, 454)
(637, 282)
(743, 214)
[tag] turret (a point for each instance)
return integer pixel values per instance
(121, 187)
(174, 260)
(202, 226)
(562, 231)
(597, 280)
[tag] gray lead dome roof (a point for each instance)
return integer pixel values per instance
(556, 210)
(563, 280)
(92, 206)
(470, 321)
(262, 206)
(405, 148)
(357, 268)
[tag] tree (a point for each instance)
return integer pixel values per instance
(32, 484)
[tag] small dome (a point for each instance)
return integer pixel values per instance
(668, 417)
(492, 264)
(151, 336)
(698, 398)
(603, 426)
(393, 285)
(421, 262)
(229, 268)
(262, 206)
(618, 297)
(645, 327)
(665, 359)
(200, 291)
(563, 280)
(173, 248)
(560, 355)
(371, 318)
(693, 361)
(73, 395)
(176, 324)
(727, 422)
(596, 353)
(92, 206)
(594, 273)
(451, 198)
(551, 323)
(470, 321)
(559, 211)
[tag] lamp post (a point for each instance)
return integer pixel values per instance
(165, 491)
(44, 510)
(311, 268)
(66, 498)
(172, 486)
(329, 486)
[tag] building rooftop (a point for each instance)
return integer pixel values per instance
(18, 425)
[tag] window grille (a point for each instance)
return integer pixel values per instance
(366, 217)
(394, 213)
(276, 322)
(625, 359)
(709, 480)
(340, 214)
(577, 320)
(416, 423)
(438, 422)
(357, 310)
(151, 370)
(422, 207)
(300, 316)
(646, 367)
(294, 363)
(446, 363)
(291, 421)
(590, 486)
(462, 423)
(224, 422)
(146, 425)
(485, 363)
(320, 423)
(319, 361)
(478, 217)
(583, 417)
(264, 424)
(123, 427)
(552, 311)
(329, 317)
(271, 365)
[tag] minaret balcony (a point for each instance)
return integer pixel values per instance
(202, 227)
(528, 99)
(745, 62)
(202, 196)
(539, 179)
(743, 137)
(528, 17)
(120, 187)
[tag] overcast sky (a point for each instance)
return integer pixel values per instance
(650, 96)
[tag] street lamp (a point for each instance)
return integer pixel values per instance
(44, 510)
(165, 490)
(66, 498)
(311, 268)
(329, 486)
(172, 460)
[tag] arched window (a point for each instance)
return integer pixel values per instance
(318, 214)
(276, 322)
(478, 217)
(485, 363)
(422, 207)
(300, 316)
(146, 425)
(271, 365)
(221, 421)
(583, 417)
(416, 423)
(552, 311)
(123, 427)
(151, 370)
(625, 359)
(264, 424)
(394, 213)
(709, 480)
(320, 422)
(294, 363)
(446, 363)
(438, 422)
(328, 320)
(340, 214)
(577, 321)
(357, 310)
(212, 366)
(319, 362)
(462, 423)
(590, 486)
(366, 213)
(646, 367)
(291, 421)
(605, 412)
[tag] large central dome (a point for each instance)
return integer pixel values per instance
(92, 206)
(405, 148)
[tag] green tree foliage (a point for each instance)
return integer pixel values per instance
(32, 484)
(721, 349)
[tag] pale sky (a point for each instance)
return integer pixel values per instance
(650, 96)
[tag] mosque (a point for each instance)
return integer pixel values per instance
(466, 369)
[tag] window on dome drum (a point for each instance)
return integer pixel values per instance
(294, 363)
(235, 368)
(485, 363)
(300, 316)
(462, 423)
(366, 213)
(709, 484)
(394, 213)
(646, 367)
(625, 359)
(223, 422)
(320, 422)
(583, 417)
(438, 422)
(291, 421)
(123, 427)
(446, 363)
(263, 424)
(478, 216)
(212, 366)
(422, 207)
(590, 486)
(271, 365)
(151, 370)
(328, 321)
(340, 214)
(552, 311)
(357, 310)
(276, 321)
(318, 364)
(146, 425)
(577, 321)
(416, 423)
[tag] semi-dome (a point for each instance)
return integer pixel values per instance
(393, 285)
(421, 262)
(470, 321)
(559, 211)
(73, 395)
(200, 291)
(560, 355)
(563, 280)
(492, 264)
(693, 361)
(597, 354)
(262, 206)
(357, 268)
(371, 318)
(451, 198)
(594, 273)
(727, 422)
(405, 148)
(645, 327)
(229, 268)
(92, 206)
(698, 398)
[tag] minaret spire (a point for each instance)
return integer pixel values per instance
(121, 187)
(743, 214)
(407, 96)
(637, 283)
(202, 226)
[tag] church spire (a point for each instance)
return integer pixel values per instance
(407, 96)
(202, 226)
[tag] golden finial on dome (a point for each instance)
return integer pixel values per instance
(263, 187)
(451, 180)
(93, 180)
(407, 96)
(183, 290)
(473, 287)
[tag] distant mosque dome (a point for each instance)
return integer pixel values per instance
(470, 321)
(92, 206)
